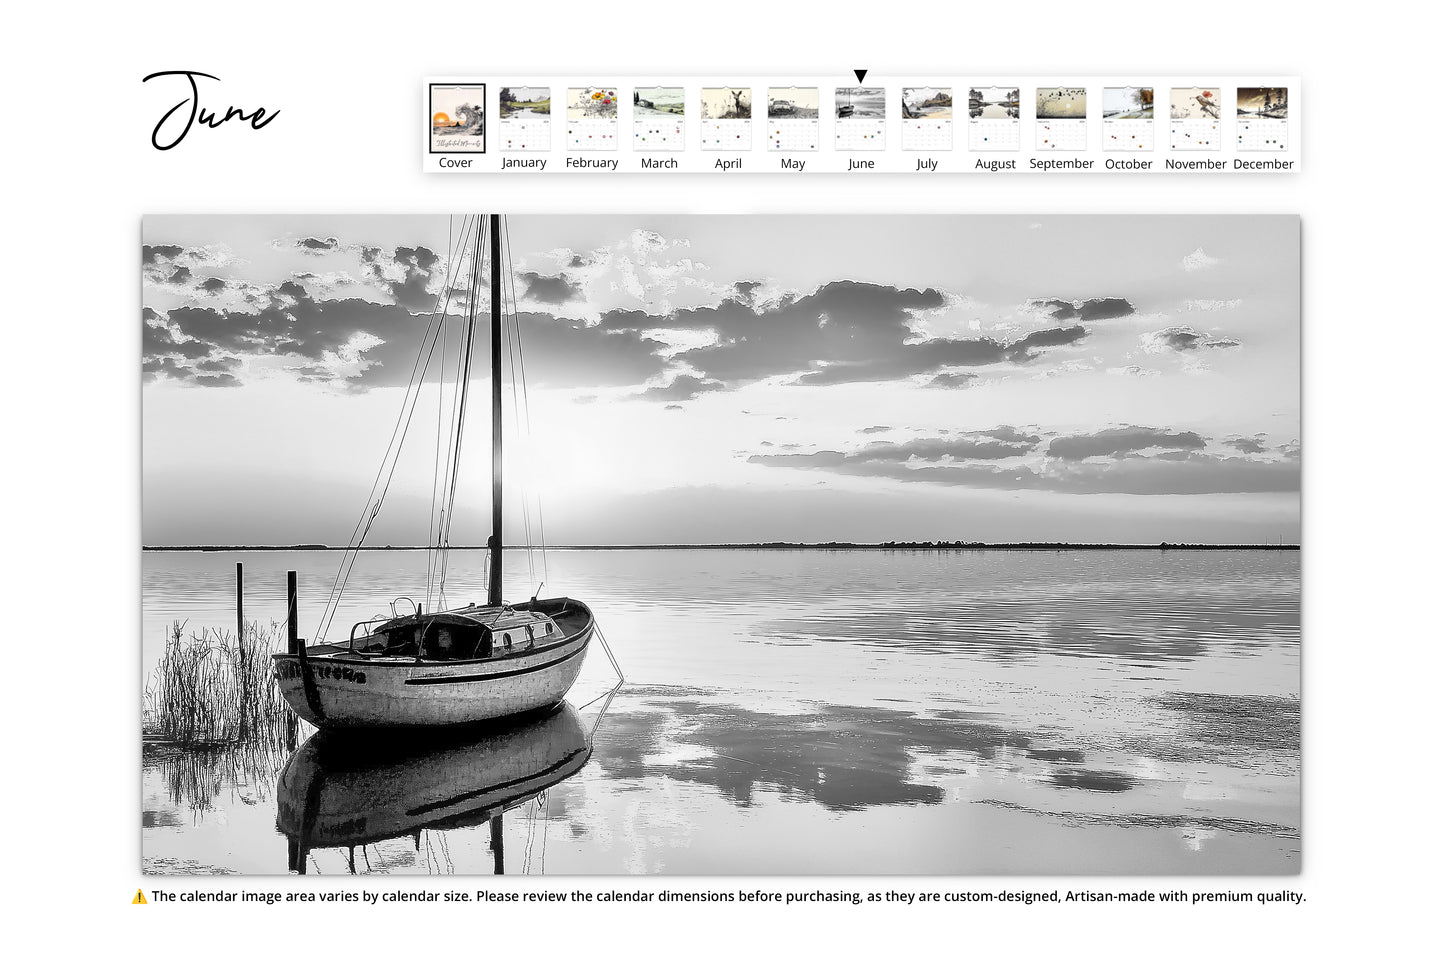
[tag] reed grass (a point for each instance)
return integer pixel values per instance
(214, 689)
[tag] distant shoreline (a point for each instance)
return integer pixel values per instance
(772, 546)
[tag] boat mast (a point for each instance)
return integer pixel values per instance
(494, 575)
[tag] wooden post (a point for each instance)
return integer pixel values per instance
(297, 647)
(291, 643)
(240, 611)
(498, 864)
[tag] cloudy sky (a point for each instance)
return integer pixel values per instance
(715, 378)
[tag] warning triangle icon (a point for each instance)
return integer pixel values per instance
(139, 898)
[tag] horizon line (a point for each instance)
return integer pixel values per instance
(898, 544)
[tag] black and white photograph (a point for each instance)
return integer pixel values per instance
(793, 103)
(721, 545)
(458, 118)
(861, 103)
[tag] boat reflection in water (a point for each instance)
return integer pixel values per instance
(347, 790)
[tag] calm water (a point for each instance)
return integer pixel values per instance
(795, 712)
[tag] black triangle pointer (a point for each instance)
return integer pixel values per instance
(859, 74)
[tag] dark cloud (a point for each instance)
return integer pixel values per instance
(288, 321)
(883, 457)
(157, 253)
(153, 368)
(952, 379)
(172, 264)
(1250, 446)
(963, 446)
(1188, 339)
(157, 340)
(746, 291)
(192, 349)
(416, 265)
(317, 245)
(1093, 309)
(862, 327)
(1007, 433)
(963, 460)
(549, 290)
(874, 429)
(1122, 441)
(1024, 349)
(575, 353)
(217, 381)
(682, 388)
(207, 374)
(929, 356)
(843, 332)
(865, 466)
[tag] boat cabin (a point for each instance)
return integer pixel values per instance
(462, 634)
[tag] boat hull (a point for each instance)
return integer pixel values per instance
(336, 792)
(359, 693)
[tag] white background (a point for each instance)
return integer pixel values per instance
(79, 172)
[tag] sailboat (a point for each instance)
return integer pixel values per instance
(336, 793)
(447, 666)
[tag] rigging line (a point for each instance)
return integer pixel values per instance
(465, 384)
(464, 380)
(376, 510)
(436, 457)
(429, 340)
(431, 515)
(512, 348)
(393, 455)
(444, 522)
(369, 512)
(527, 847)
(526, 398)
(456, 257)
(514, 352)
(546, 806)
(444, 517)
(433, 529)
